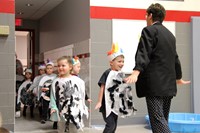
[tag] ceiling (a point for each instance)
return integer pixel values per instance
(37, 9)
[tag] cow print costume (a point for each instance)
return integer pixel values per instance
(70, 100)
(27, 98)
(118, 95)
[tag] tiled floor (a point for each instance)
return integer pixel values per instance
(27, 125)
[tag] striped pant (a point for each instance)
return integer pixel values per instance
(158, 110)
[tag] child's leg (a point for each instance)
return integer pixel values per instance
(45, 108)
(24, 110)
(40, 110)
(111, 122)
(55, 125)
(31, 111)
(40, 107)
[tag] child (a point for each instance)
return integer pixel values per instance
(44, 90)
(34, 86)
(68, 97)
(25, 97)
(75, 71)
(115, 97)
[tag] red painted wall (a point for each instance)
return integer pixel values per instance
(137, 14)
(7, 6)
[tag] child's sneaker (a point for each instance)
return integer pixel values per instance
(43, 121)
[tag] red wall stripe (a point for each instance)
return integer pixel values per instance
(7, 6)
(137, 14)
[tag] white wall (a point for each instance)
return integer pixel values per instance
(127, 34)
(54, 54)
(187, 5)
(21, 46)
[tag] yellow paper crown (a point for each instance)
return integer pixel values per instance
(114, 52)
(75, 60)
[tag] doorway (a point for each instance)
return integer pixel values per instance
(25, 48)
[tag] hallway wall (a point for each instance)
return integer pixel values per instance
(66, 24)
(7, 65)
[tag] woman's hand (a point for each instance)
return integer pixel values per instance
(133, 77)
(182, 82)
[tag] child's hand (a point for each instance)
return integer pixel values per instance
(53, 111)
(98, 105)
(89, 100)
(44, 89)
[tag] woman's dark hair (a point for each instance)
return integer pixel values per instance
(158, 12)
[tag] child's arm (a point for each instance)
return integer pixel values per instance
(100, 97)
(54, 109)
(87, 98)
(35, 84)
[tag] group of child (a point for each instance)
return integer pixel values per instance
(62, 96)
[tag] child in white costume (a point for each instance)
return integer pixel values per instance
(68, 97)
(75, 71)
(44, 89)
(25, 97)
(35, 84)
(115, 97)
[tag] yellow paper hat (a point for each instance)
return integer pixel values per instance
(114, 52)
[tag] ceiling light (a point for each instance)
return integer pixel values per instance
(20, 13)
(29, 4)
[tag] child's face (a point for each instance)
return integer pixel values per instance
(28, 75)
(76, 68)
(64, 68)
(117, 63)
(42, 71)
(49, 69)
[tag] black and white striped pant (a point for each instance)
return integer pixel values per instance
(158, 110)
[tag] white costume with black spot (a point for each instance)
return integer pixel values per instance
(118, 95)
(69, 96)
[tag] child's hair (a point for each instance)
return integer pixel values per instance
(68, 58)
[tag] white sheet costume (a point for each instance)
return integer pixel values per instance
(118, 95)
(45, 82)
(68, 98)
(22, 94)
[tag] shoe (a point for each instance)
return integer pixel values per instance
(43, 121)
(55, 125)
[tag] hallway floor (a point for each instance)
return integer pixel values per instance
(28, 125)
